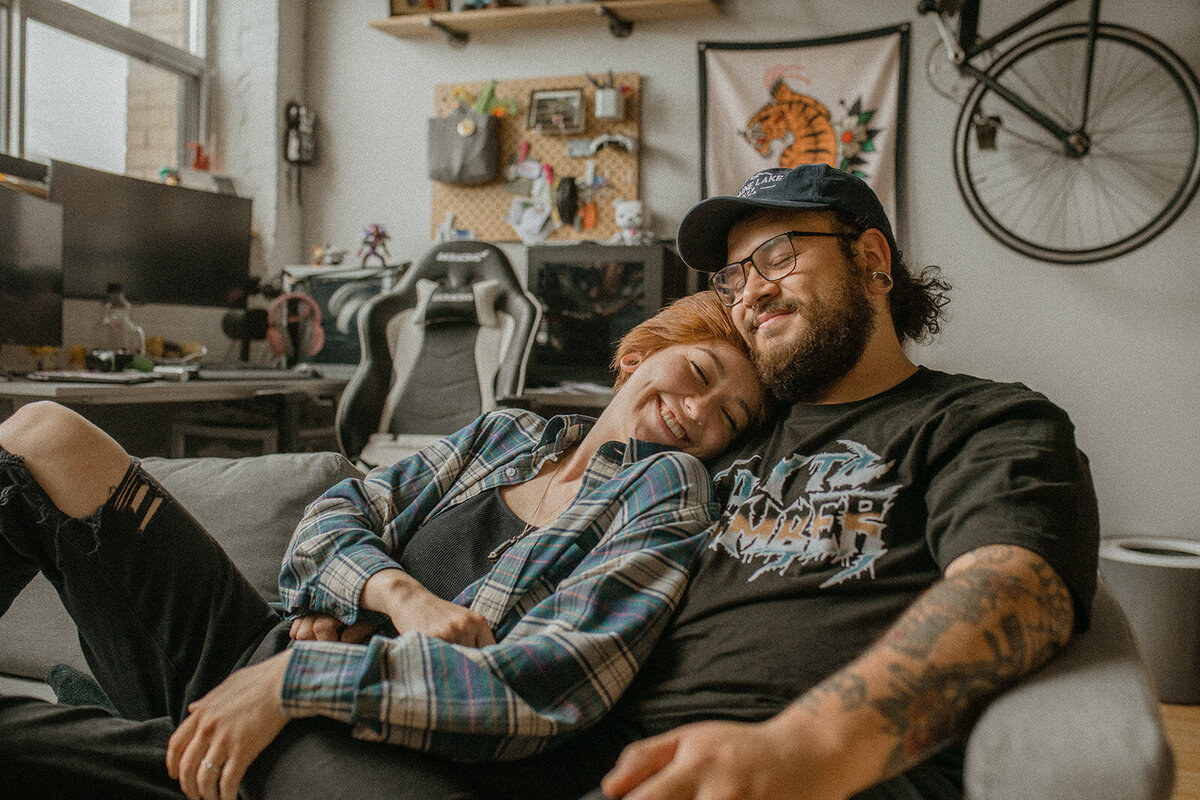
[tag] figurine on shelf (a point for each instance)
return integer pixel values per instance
(316, 254)
(374, 244)
(630, 216)
(325, 255)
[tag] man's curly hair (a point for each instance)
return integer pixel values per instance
(916, 300)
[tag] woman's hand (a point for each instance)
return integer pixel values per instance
(412, 607)
(328, 628)
(226, 730)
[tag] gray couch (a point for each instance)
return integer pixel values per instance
(1087, 726)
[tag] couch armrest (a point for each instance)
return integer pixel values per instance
(1085, 727)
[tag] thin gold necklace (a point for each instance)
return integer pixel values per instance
(507, 543)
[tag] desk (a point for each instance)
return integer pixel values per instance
(549, 402)
(290, 393)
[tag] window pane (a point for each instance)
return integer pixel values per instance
(87, 104)
(165, 20)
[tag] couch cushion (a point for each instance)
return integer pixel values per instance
(249, 505)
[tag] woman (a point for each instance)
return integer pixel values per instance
(525, 565)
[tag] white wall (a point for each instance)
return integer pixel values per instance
(1116, 344)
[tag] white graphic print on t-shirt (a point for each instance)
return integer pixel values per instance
(838, 516)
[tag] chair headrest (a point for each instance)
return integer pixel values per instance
(458, 264)
(468, 305)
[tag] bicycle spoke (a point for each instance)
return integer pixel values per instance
(1036, 91)
(1163, 124)
(1133, 176)
(1119, 203)
(1113, 75)
(1015, 185)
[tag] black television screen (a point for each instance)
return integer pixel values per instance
(31, 298)
(163, 244)
(591, 296)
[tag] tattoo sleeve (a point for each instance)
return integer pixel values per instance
(1000, 612)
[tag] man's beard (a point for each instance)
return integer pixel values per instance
(827, 349)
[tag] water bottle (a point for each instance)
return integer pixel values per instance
(116, 332)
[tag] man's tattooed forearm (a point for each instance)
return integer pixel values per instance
(926, 707)
(968, 598)
(849, 688)
(1021, 613)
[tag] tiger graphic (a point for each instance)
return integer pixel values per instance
(794, 117)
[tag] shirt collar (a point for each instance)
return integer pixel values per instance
(561, 433)
(631, 450)
(567, 430)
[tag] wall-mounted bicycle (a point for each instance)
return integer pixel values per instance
(1074, 145)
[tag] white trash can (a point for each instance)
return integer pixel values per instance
(1157, 583)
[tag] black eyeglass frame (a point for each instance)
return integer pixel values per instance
(749, 260)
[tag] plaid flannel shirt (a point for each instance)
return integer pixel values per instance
(575, 609)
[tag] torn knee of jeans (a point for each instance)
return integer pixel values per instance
(18, 488)
(137, 494)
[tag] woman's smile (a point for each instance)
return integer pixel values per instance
(671, 421)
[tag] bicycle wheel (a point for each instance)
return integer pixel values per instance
(1138, 174)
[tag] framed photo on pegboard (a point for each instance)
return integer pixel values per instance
(556, 111)
(838, 100)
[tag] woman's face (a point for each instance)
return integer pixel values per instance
(694, 397)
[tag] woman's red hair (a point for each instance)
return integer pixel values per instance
(693, 319)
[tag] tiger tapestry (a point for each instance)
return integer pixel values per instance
(837, 101)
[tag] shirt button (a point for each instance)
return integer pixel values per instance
(510, 472)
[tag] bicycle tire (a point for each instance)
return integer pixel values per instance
(1140, 173)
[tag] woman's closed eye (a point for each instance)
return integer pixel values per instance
(700, 373)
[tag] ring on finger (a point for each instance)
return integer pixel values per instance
(208, 765)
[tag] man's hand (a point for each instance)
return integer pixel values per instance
(412, 607)
(328, 628)
(226, 730)
(721, 760)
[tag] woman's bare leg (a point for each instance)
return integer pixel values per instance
(77, 464)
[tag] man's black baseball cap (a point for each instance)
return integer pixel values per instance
(702, 235)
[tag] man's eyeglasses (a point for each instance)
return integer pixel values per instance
(774, 260)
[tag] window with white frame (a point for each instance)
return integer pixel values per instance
(112, 84)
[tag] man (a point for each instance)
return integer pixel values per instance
(900, 546)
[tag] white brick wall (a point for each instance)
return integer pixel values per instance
(153, 116)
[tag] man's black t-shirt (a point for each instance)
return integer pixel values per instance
(840, 516)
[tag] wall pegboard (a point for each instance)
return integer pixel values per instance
(483, 210)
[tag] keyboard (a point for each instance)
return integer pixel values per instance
(74, 376)
(204, 373)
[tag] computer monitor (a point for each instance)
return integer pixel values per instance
(591, 296)
(31, 297)
(163, 244)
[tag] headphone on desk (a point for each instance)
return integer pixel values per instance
(308, 318)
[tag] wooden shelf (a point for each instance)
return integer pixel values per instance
(412, 26)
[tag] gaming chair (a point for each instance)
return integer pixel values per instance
(449, 342)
